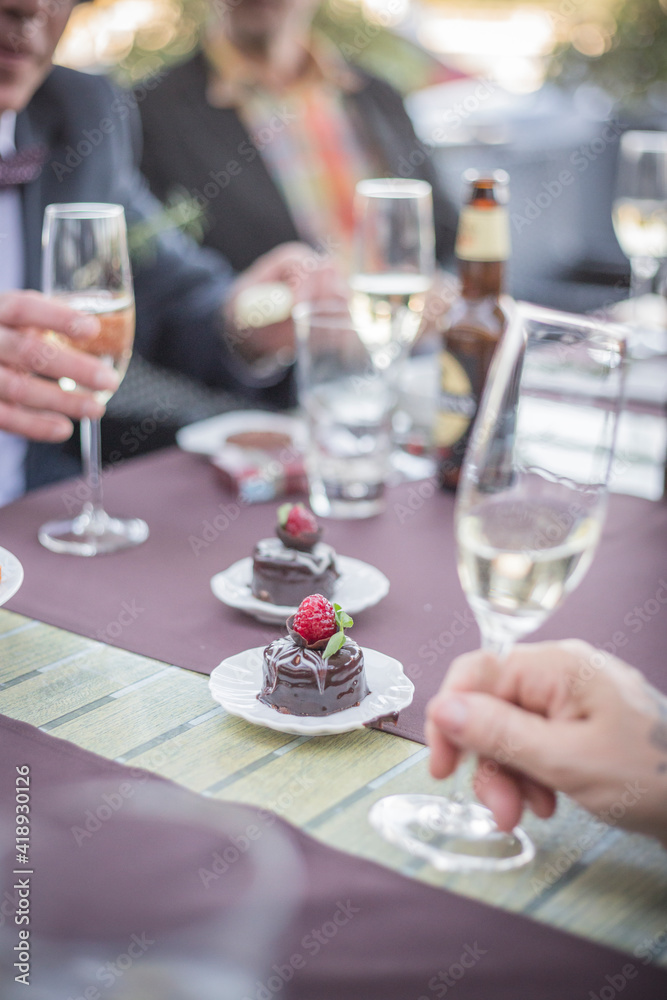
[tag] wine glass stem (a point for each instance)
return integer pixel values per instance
(642, 270)
(91, 451)
(494, 644)
(461, 788)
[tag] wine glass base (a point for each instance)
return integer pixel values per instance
(92, 535)
(451, 836)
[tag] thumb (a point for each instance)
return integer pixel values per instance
(493, 728)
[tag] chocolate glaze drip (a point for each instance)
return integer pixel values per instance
(298, 681)
(383, 721)
(285, 576)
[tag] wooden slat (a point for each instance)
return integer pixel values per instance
(211, 752)
(10, 621)
(48, 696)
(115, 728)
(319, 773)
(32, 648)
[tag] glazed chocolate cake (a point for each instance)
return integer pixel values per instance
(296, 563)
(298, 679)
(285, 576)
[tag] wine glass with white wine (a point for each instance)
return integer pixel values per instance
(85, 263)
(528, 517)
(393, 264)
(640, 221)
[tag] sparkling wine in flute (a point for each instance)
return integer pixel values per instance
(392, 267)
(528, 518)
(640, 221)
(640, 225)
(387, 308)
(113, 344)
(86, 264)
(521, 558)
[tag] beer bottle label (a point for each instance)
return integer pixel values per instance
(456, 403)
(483, 234)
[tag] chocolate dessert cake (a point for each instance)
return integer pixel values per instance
(316, 669)
(296, 563)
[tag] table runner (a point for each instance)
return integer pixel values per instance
(156, 599)
(92, 878)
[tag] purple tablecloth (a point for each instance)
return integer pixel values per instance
(156, 599)
(126, 868)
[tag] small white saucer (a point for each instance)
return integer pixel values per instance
(206, 437)
(236, 682)
(359, 586)
(11, 572)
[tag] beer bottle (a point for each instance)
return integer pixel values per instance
(475, 321)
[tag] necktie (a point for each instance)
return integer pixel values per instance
(22, 167)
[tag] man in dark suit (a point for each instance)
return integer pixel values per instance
(269, 129)
(75, 140)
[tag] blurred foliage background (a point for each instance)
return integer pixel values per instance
(624, 52)
(619, 45)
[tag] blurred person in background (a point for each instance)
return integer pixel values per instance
(269, 130)
(67, 137)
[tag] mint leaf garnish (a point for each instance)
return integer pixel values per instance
(343, 620)
(334, 644)
(283, 513)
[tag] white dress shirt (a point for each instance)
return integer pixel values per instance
(12, 447)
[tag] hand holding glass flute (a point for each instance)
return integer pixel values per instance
(86, 266)
(32, 404)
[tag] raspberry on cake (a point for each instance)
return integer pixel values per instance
(315, 619)
(316, 669)
(296, 521)
(296, 563)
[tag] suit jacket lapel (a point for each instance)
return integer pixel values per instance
(36, 125)
(227, 133)
(33, 208)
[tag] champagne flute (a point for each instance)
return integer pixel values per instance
(528, 517)
(393, 264)
(640, 220)
(86, 264)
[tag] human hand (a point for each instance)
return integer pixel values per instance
(31, 402)
(307, 274)
(555, 716)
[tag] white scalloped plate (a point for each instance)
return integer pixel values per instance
(236, 682)
(359, 586)
(12, 575)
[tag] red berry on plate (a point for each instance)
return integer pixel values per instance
(298, 520)
(315, 619)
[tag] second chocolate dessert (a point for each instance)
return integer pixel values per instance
(295, 564)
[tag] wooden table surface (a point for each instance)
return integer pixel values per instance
(592, 880)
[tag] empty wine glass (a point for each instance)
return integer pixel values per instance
(86, 264)
(528, 517)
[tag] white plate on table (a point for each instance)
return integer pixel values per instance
(359, 586)
(11, 572)
(206, 437)
(236, 682)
